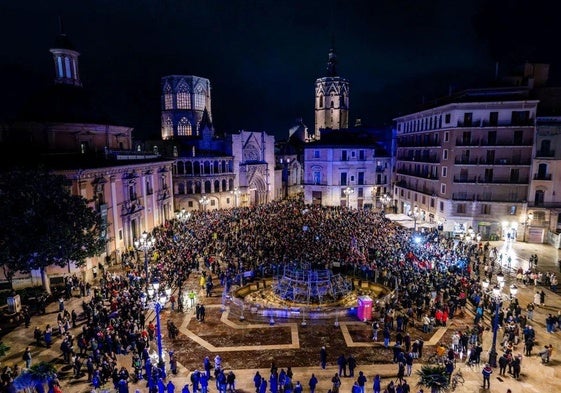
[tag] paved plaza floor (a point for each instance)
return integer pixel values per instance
(246, 344)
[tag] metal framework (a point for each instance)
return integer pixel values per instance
(308, 286)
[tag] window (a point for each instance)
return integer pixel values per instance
(183, 99)
(321, 101)
(446, 136)
(461, 208)
(493, 119)
(468, 119)
(353, 154)
(344, 178)
(443, 188)
(344, 155)
(432, 203)
(485, 208)
(361, 155)
(360, 192)
(184, 127)
(447, 118)
(441, 206)
(445, 154)
(168, 98)
(199, 101)
(514, 175)
(517, 139)
(444, 171)
(316, 153)
(360, 178)
(488, 175)
(520, 118)
(317, 177)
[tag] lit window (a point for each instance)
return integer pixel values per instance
(184, 127)
(183, 99)
(199, 102)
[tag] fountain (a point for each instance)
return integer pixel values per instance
(305, 293)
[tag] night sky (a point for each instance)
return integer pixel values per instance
(263, 57)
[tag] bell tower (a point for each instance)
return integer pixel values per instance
(332, 99)
(65, 57)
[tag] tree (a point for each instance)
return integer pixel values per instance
(43, 224)
(36, 377)
(433, 377)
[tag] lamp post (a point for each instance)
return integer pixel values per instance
(374, 197)
(285, 162)
(159, 304)
(414, 213)
(183, 215)
(236, 192)
(204, 201)
(145, 243)
(527, 221)
(348, 191)
(497, 297)
(385, 199)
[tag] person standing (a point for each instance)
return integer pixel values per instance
(377, 384)
(351, 365)
(313, 383)
(27, 357)
(257, 381)
(361, 380)
(486, 372)
(323, 357)
(342, 363)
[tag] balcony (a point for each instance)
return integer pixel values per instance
(465, 161)
(502, 180)
(507, 142)
(422, 174)
(433, 159)
(543, 176)
(486, 123)
(545, 153)
(466, 142)
(462, 179)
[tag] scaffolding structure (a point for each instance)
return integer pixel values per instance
(309, 286)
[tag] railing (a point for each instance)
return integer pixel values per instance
(545, 153)
(502, 180)
(486, 123)
(465, 161)
(546, 176)
(462, 179)
(465, 142)
(503, 142)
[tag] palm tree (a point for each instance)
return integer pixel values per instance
(433, 377)
(36, 377)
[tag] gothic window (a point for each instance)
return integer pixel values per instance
(200, 99)
(167, 128)
(168, 98)
(184, 127)
(183, 98)
(321, 101)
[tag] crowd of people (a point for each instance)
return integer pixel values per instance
(431, 278)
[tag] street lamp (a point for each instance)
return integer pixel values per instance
(414, 213)
(204, 201)
(348, 191)
(145, 243)
(183, 215)
(159, 304)
(526, 223)
(385, 199)
(285, 162)
(497, 297)
(374, 197)
(236, 192)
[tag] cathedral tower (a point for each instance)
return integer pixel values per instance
(185, 106)
(332, 99)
